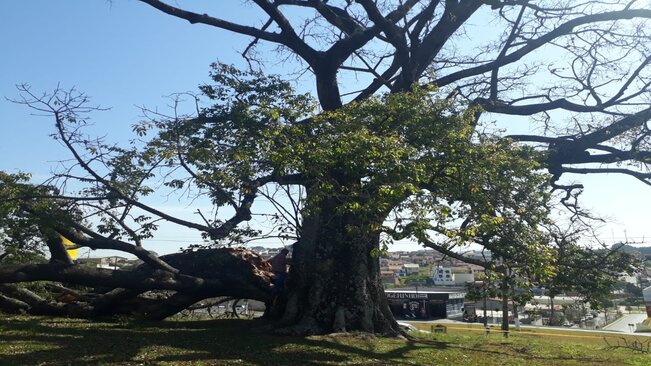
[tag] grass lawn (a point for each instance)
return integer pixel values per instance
(557, 335)
(55, 341)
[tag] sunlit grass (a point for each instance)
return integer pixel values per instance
(52, 341)
(556, 334)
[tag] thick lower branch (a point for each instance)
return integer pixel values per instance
(144, 280)
(236, 273)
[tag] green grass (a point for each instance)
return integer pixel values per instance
(53, 341)
(552, 336)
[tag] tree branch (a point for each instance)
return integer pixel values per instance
(195, 18)
(534, 44)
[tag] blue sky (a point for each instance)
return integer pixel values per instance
(125, 54)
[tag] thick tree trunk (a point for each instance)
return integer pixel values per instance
(334, 283)
(327, 87)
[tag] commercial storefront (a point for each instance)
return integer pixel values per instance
(425, 305)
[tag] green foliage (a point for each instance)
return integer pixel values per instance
(229, 143)
(412, 160)
(592, 274)
(417, 278)
(410, 157)
(20, 234)
(631, 295)
(406, 151)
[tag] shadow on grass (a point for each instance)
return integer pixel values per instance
(52, 341)
(44, 341)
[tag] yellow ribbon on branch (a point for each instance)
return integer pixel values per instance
(71, 252)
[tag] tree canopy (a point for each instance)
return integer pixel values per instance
(405, 152)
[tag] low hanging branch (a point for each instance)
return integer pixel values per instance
(207, 273)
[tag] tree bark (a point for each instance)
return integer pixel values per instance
(334, 283)
(237, 273)
(327, 87)
(485, 312)
(505, 306)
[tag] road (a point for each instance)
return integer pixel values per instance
(622, 324)
(623, 321)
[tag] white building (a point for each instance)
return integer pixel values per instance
(443, 276)
(629, 279)
(447, 276)
(411, 268)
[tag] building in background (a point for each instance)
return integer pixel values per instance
(443, 276)
(425, 304)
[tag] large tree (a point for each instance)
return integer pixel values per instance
(402, 152)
